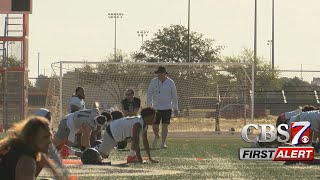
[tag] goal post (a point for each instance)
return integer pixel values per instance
(214, 93)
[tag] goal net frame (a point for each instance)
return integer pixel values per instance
(60, 67)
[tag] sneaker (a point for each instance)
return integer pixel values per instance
(132, 159)
(163, 146)
(155, 142)
(64, 152)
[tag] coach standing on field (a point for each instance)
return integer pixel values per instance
(162, 95)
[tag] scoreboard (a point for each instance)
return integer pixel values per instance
(15, 6)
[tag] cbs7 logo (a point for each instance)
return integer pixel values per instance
(300, 132)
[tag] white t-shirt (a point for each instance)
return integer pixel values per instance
(75, 121)
(288, 115)
(295, 118)
(72, 128)
(121, 129)
(77, 102)
(313, 117)
(162, 95)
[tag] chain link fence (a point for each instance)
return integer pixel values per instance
(301, 88)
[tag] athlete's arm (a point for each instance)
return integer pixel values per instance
(85, 135)
(135, 111)
(136, 140)
(146, 146)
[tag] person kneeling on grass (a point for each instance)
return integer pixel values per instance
(122, 129)
(83, 121)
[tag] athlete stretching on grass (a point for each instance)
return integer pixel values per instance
(83, 121)
(120, 130)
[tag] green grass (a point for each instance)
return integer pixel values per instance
(213, 158)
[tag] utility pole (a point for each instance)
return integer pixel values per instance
(38, 64)
(44, 71)
(270, 44)
(272, 34)
(255, 36)
(189, 31)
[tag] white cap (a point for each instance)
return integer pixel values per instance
(43, 113)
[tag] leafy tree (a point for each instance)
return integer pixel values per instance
(298, 88)
(265, 78)
(42, 83)
(12, 61)
(121, 56)
(170, 44)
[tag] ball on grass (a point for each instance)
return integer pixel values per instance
(91, 156)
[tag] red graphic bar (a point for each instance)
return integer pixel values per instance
(294, 154)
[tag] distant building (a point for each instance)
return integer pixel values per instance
(316, 81)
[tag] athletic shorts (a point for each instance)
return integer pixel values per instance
(63, 130)
(164, 116)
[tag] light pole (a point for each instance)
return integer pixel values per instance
(220, 48)
(189, 31)
(272, 34)
(38, 64)
(115, 16)
(269, 43)
(255, 35)
(141, 34)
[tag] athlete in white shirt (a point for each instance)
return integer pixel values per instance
(291, 116)
(127, 128)
(162, 95)
(83, 121)
(314, 118)
(77, 101)
(285, 117)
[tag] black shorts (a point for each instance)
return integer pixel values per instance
(164, 115)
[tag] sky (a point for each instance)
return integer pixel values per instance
(78, 30)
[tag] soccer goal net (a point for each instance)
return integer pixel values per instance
(211, 96)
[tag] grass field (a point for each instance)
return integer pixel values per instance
(215, 157)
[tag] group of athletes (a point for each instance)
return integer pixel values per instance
(23, 153)
(306, 113)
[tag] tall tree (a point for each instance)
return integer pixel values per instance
(265, 78)
(170, 44)
(121, 56)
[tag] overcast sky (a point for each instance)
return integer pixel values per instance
(81, 30)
